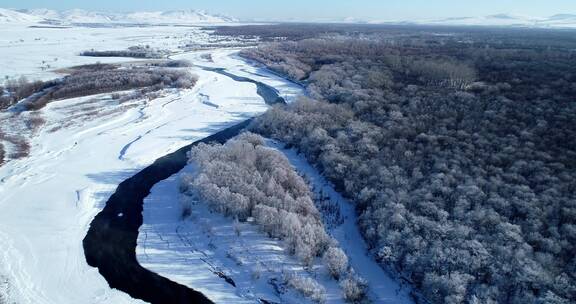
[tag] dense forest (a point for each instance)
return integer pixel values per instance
(458, 149)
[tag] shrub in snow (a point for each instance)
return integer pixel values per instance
(307, 286)
(237, 228)
(336, 261)
(257, 271)
(176, 64)
(354, 289)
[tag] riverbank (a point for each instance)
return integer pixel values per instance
(110, 244)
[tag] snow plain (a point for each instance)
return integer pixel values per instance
(38, 53)
(47, 200)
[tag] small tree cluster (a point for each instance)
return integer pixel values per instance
(336, 261)
(16, 90)
(243, 178)
(354, 289)
(175, 64)
(307, 286)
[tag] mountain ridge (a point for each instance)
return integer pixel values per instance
(80, 16)
(558, 21)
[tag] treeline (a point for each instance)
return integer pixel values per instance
(245, 179)
(431, 36)
(97, 79)
(379, 64)
(15, 90)
(460, 157)
(173, 64)
(2, 154)
(132, 52)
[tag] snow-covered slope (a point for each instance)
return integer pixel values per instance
(82, 16)
(14, 17)
(78, 16)
(492, 20)
(181, 16)
(562, 20)
(506, 20)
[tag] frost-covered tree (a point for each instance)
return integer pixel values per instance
(336, 261)
(307, 286)
(354, 289)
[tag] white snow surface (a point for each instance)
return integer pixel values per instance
(47, 200)
(38, 53)
(13, 17)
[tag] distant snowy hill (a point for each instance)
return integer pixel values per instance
(562, 20)
(78, 16)
(508, 20)
(181, 16)
(498, 20)
(13, 17)
(492, 20)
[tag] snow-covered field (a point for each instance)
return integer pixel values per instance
(37, 53)
(47, 200)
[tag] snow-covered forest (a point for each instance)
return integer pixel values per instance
(459, 155)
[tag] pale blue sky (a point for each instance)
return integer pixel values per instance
(320, 9)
